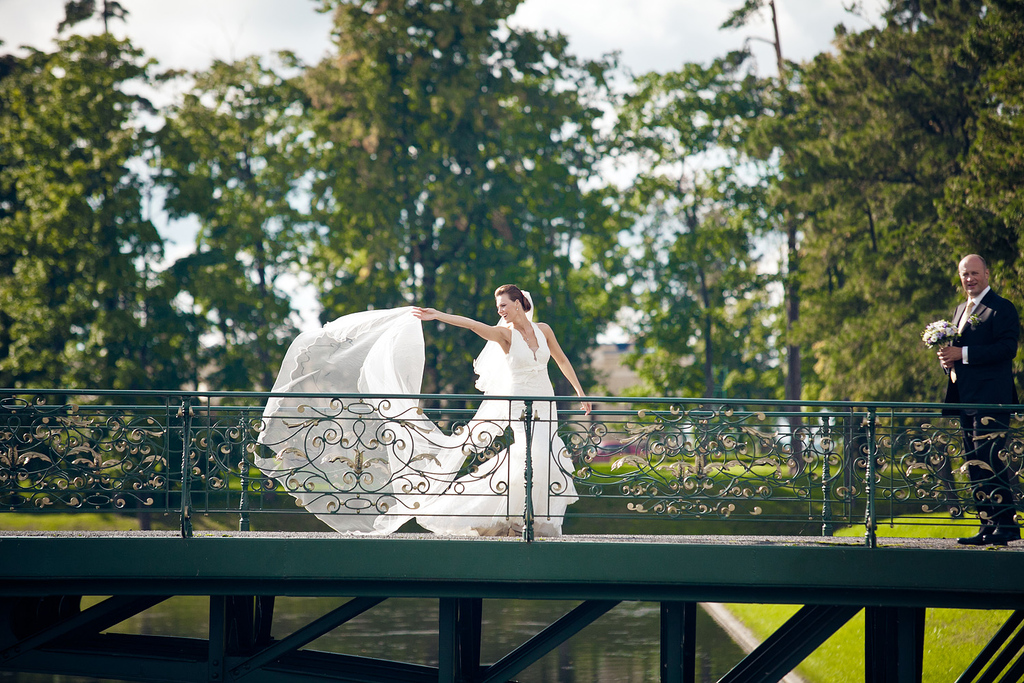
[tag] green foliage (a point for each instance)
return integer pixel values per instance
(741, 16)
(982, 207)
(77, 11)
(439, 152)
(705, 319)
(452, 153)
(231, 155)
(877, 136)
(80, 302)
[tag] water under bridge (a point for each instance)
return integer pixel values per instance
(680, 503)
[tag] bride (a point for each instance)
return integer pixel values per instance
(369, 465)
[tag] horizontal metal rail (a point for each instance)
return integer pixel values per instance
(643, 465)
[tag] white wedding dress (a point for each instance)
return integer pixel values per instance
(370, 463)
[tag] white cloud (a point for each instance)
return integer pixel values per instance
(187, 34)
(193, 33)
(661, 35)
(651, 34)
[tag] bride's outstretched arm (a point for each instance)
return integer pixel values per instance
(501, 335)
(563, 363)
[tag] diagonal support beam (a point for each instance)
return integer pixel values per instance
(97, 618)
(547, 640)
(791, 643)
(994, 672)
(992, 648)
(1016, 672)
(307, 634)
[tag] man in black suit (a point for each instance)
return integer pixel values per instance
(980, 368)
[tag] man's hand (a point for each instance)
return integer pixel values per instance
(949, 355)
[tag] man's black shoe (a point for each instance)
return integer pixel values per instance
(980, 538)
(1003, 535)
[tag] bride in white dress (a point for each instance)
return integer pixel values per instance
(368, 466)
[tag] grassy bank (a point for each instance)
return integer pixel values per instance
(105, 521)
(953, 637)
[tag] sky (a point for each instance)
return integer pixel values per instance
(649, 35)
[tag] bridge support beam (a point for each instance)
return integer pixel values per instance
(547, 640)
(790, 644)
(678, 642)
(1006, 646)
(893, 644)
(46, 634)
(35, 622)
(459, 634)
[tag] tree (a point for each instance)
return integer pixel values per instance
(81, 304)
(981, 208)
(231, 155)
(791, 280)
(77, 11)
(879, 130)
(705, 320)
(453, 155)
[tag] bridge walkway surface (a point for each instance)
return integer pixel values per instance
(45, 574)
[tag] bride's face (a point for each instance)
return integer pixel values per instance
(506, 307)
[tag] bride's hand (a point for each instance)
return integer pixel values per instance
(425, 313)
(587, 407)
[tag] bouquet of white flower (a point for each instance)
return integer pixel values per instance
(939, 333)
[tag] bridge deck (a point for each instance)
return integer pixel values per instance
(797, 570)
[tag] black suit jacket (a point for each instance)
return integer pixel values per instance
(992, 346)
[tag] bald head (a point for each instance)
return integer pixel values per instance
(973, 274)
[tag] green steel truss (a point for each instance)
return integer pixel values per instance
(771, 464)
(42, 628)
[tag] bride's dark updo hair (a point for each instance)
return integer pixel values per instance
(515, 294)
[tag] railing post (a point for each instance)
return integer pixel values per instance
(869, 513)
(826, 483)
(243, 472)
(186, 467)
(528, 512)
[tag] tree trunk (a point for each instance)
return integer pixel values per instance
(793, 387)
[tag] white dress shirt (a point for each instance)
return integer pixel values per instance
(976, 300)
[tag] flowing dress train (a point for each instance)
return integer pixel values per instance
(369, 464)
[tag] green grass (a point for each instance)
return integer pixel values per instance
(105, 521)
(953, 637)
(939, 525)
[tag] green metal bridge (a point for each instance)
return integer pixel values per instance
(723, 501)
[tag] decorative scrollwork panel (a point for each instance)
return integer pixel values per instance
(73, 456)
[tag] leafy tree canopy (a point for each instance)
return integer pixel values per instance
(453, 154)
(80, 303)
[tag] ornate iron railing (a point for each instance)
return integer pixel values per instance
(635, 465)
